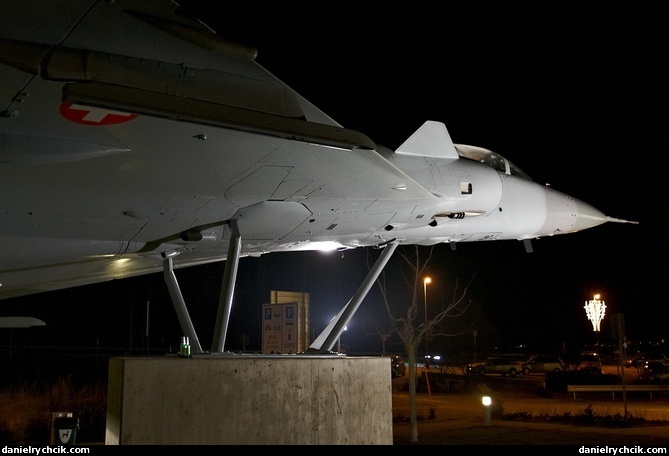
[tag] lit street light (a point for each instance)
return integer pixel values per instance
(426, 280)
(339, 341)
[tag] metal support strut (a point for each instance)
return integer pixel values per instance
(228, 288)
(326, 340)
(225, 303)
(180, 305)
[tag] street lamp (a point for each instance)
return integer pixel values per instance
(426, 280)
(339, 341)
(594, 310)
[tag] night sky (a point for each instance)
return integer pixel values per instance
(573, 93)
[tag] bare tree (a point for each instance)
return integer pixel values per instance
(412, 329)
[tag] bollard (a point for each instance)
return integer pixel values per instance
(487, 410)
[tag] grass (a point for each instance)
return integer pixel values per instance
(586, 418)
(25, 411)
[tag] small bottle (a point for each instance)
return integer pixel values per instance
(184, 347)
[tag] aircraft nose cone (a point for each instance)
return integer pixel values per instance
(587, 216)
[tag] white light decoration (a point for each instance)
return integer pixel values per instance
(595, 309)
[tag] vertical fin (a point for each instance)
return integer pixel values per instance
(430, 140)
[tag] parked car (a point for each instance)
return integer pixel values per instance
(638, 360)
(651, 369)
(494, 365)
(542, 364)
(631, 361)
(661, 378)
(430, 361)
(590, 362)
(397, 366)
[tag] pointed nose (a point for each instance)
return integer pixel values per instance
(566, 214)
(587, 216)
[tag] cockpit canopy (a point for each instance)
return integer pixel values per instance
(490, 158)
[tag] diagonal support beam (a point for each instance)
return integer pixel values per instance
(326, 340)
(227, 289)
(180, 305)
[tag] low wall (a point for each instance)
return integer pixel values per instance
(249, 399)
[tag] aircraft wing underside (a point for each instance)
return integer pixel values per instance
(116, 153)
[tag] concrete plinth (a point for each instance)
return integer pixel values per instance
(247, 399)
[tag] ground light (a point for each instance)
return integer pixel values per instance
(487, 410)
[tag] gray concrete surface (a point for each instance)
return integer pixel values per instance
(250, 399)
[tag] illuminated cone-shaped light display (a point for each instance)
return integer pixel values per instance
(595, 309)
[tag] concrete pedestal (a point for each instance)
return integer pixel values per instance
(249, 399)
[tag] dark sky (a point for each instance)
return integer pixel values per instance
(574, 93)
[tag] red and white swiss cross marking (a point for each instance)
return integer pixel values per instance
(89, 115)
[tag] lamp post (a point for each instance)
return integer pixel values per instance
(426, 280)
(339, 341)
(594, 310)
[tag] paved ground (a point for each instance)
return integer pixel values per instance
(459, 420)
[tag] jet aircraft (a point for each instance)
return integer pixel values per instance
(134, 139)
